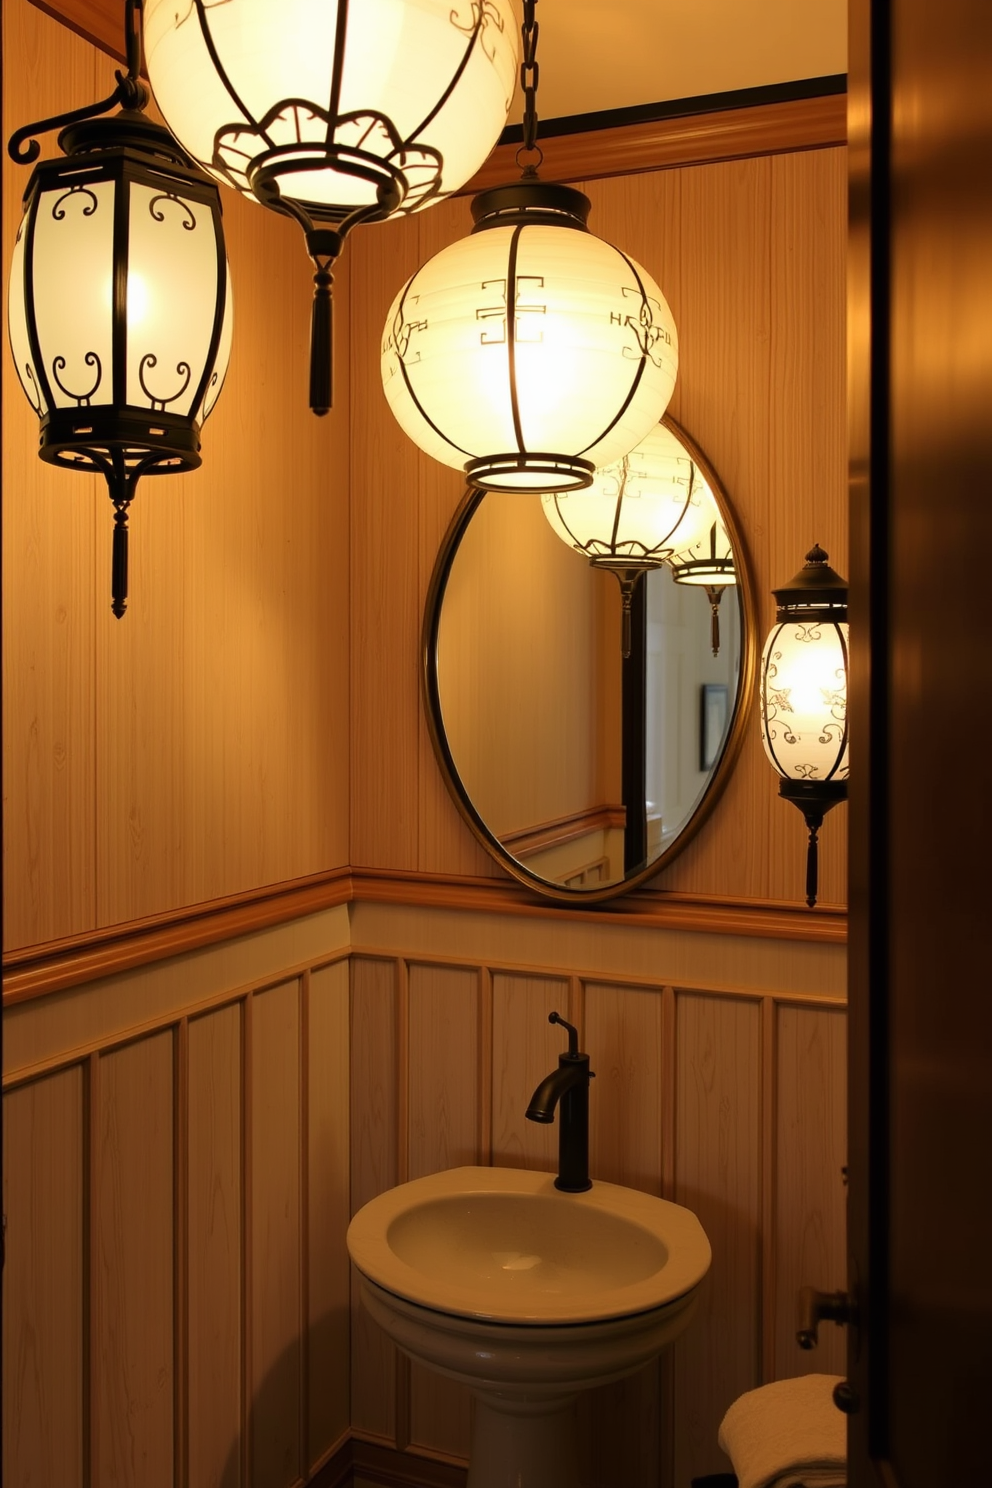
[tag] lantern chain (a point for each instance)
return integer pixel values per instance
(530, 74)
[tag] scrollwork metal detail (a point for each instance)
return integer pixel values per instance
(159, 404)
(647, 331)
(188, 221)
(58, 211)
(484, 16)
(35, 400)
(401, 332)
(83, 400)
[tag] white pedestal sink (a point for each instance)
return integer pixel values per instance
(529, 1296)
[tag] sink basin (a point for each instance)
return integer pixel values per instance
(506, 1245)
(528, 1296)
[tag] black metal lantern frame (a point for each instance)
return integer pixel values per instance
(139, 415)
(817, 595)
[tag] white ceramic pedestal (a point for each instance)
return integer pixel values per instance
(525, 1442)
(525, 1377)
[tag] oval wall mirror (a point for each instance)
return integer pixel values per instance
(581, 769)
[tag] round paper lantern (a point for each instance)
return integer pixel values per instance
(531, 352)
(334, 113)
(628, 515)
(388, 104)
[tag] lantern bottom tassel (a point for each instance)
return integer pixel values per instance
(323, 245)
(814, 798)
(119, 562)
(714, 593)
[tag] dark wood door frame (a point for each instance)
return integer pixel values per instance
(920, 1156)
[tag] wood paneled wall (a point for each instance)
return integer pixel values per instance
(199, 746)
(728, 1101)
(176, 1306)
(182, 1143)
(750, 254)
(183, 1146)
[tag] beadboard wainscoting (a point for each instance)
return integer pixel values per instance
(184, 1142)
(175, 1181)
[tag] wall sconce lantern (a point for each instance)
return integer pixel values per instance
(803, 696)
(119, 308)
(334, 114)
(530, 353)
(625, 520)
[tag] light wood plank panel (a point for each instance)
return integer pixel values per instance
(718, 1177)
(214, 1250)
(443, 1133)
(525, 1049)
(444, 1068)
(49, 555)
(275, 1218)
(374, 1119)
(623, 1039)
(329, 1209)
(619, 1432)
(810, 1197)
(198, 747)
(223, 764)
(264, 587)
(440, 1413)
(43, 1282)
(385, 620)
(132, 1313)
(443, 843)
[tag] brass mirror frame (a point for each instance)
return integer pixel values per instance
(596, 894)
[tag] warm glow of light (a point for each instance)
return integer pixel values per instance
(137, 300)
(632, 507)
(562, 380)
(804, 699)
(401, 58)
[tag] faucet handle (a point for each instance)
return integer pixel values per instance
(573, 1033)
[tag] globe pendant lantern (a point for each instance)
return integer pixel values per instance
(530, 353)
(702, 554)
(625, 520)
(803, 696)
(119, 307)
(334, 113)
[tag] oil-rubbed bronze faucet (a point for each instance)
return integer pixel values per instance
(569, 1083)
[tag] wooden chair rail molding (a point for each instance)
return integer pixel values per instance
(35, 971)
(692, 139)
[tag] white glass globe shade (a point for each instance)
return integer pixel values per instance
(338, 102)
(804, 699)
(531, 352)
(632, 508)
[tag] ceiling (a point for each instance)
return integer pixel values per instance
(612, 54)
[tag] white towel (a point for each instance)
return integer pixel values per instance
(787, 1434)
